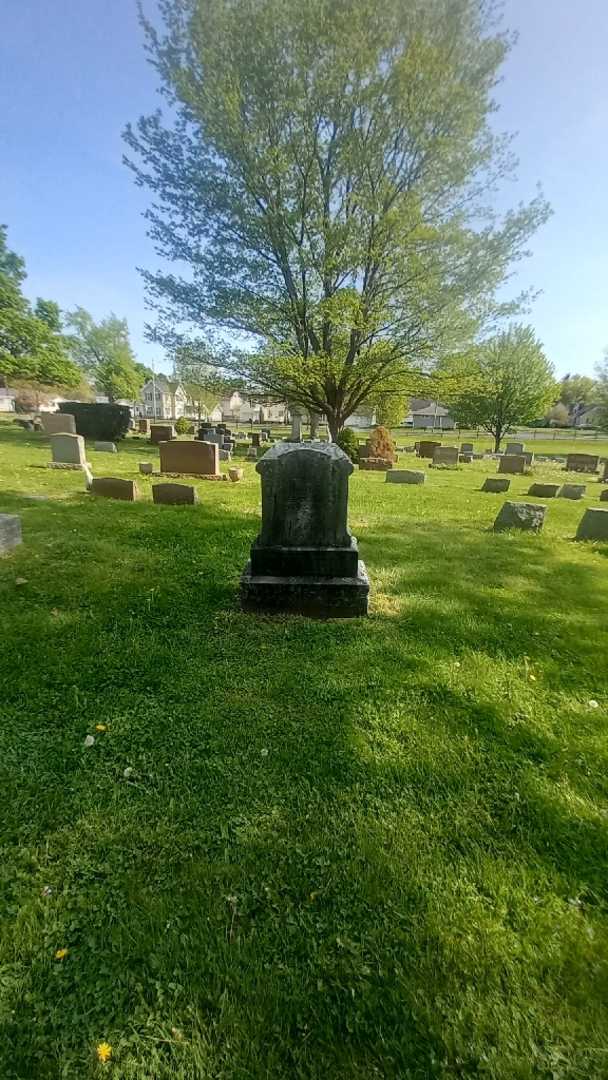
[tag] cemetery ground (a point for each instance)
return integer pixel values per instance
(295, 848)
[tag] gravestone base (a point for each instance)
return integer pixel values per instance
(67, 465)
(320, 597)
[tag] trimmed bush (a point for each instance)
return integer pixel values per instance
(99, 421)
(349, 443)
(183, 426)
(381, 444)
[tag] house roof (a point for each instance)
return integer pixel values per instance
(431, 410)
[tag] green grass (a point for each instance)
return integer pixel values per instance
(370, 848)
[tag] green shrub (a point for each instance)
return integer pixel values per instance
(349, 443)
(182, 426)
(99, 421)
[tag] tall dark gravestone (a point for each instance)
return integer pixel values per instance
(305, 560)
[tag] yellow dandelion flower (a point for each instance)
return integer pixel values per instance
(104, 1052)
(61, 954)
(101, 727)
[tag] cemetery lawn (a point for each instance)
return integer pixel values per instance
(300, 849)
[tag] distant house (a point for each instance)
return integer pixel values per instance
(7, 400)
(241, 408)
(170, 397)
(431, 415)
(586, 416)
(365, 418)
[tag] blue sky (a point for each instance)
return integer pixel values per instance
(72, 73)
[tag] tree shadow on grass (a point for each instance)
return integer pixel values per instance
(309, 848)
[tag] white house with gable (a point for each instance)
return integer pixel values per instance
(171, 398)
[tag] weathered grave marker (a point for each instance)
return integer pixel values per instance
(10, 532)
(587, 463)
(192, 456)
(544, 491)
(161, 432)
(112, 487)
(512, 463)
(529, 517)
(593, 525)
(305, 559)
(496, 484)
(58, 423)
(68, 451)
(174, 494)
(405, 476)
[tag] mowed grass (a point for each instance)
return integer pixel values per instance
(370, 848)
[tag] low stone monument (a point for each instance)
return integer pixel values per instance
(604, 496)
(572, 491)
(605, 476)
(10, 532)
(112, 487)
(512, 463)
(427, 447)
(191, 457)
(496, 484)
(305, 560)
(529, 517)
(465, 459)
(143, 426)
(467, 448)
(544, 491)
(161, 432)
(146, 468)
(235, 475)
(587, 463)
(446, 455)
(68, 452)
(105, 447)
(593, 525)
(174, 494)
(405, 476)
(58, 423)
(515, 448)
(256, 438)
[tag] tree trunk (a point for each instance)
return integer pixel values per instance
(314, 424)
(334, 427)
(497, 440)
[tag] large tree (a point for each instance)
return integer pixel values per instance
(577, 390)
(32, 347)
(506, 380)
(104, 353)
(326, 184)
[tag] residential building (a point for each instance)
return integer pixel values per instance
(428, 414)
(364, 418)
(171, 398)
(7, 400)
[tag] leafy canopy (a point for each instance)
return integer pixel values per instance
(505, 381)
(104, 352)
(32, 347)
(325, 185)
(577, 390)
